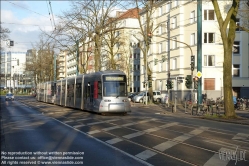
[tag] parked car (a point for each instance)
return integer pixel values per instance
(157, 96)
(9, 96)
(131, 95)
(142, 95)
(139, 97)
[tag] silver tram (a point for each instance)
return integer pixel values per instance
(102, 92)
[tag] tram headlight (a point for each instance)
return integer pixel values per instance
(107, 100)
(124, 100)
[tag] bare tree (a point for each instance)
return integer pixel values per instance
(4, 35)
(86, 21)
(227, 27)
(41, 63)
(147, 28)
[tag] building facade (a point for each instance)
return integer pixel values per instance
(12, 70)
(175, 36)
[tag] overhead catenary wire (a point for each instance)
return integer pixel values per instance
(52, 15)
(49, 14)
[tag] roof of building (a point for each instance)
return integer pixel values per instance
(131, 13)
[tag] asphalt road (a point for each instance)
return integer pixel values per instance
(143, 137)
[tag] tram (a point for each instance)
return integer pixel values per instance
(102, 92)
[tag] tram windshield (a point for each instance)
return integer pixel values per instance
(114, 86)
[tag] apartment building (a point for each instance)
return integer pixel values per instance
(176, 37)
(12, 69)
(62, 63)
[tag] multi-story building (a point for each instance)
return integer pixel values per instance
(176, 37)
(12, 69)
(124, 52)
(240, 62)
(62, 63)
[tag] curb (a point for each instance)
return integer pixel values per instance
(240, 120)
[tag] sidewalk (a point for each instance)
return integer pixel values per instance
(243, 115)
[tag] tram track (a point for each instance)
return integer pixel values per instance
(126, 126)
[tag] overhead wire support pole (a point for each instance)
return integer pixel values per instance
(199, 49)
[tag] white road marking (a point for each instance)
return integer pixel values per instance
(114, 140)
(182, 138)
(93, 132)
(77, 126)
(146, 154)
(95, 123)
(152, 129)
(111, 128)
(134, 135)
(68, 121)
(165, 145)
(216, 159)
(241, 136)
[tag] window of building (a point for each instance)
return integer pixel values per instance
(176, 3)
(174, 43)
(238, 24)
(236, 70)
(166, 46)
(117, 56)
(192, 17)
(208, 14)
(117, 33)
(209, 83)
(168, 7)
(134, 55)
(236, 47)
(174, 23)
(209, 38)
(174, 64)
(117, 45)
(208, 60)
(192, 39)
(160, 48)
(160, 12)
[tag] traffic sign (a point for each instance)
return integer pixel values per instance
(199, 74)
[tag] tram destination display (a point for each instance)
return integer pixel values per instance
(114, 78)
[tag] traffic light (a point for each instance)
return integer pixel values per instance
(169, 85)
(188, 81)
(196, 80)
(150, 83)
(149, 37)
(192, 64)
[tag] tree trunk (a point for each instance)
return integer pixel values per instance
(227, 82)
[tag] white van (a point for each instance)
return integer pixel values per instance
(156, 96)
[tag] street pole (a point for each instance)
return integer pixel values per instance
(146, 74)
(199, 49)
(175, 93)
(77, 58)
(168, 30)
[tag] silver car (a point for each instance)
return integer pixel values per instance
(9, 96)
(139, 98)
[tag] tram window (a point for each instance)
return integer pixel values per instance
(67, 90)
(63, 90)
(114, 89)
(78, 90)
(99, 90)
(87, 91)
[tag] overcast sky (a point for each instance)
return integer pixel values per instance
(26, 19)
